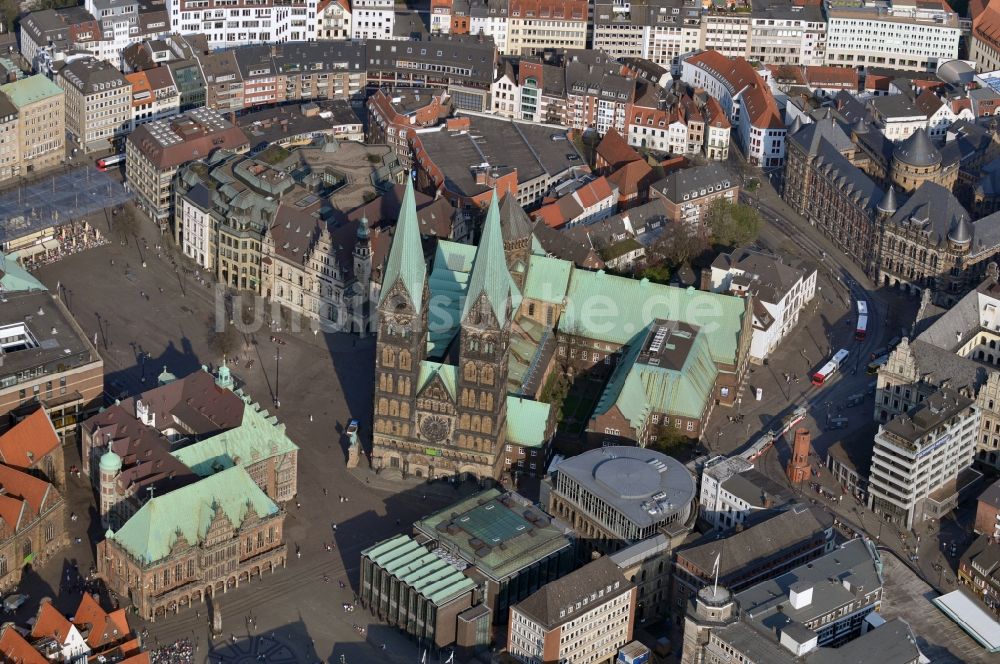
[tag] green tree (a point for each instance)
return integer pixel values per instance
(555, 391)
(658, 274)
(676, 246)
(732, 224)
(672, 442)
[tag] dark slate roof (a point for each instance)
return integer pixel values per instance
(514, 221)
(826, 128)
(889, 203)
(853, 181)
(556, 602)
(934, 208)
(690, 181)
(918, 150)
(749, 548)
(876, 143)
(992, 495)
(986, 233)
(896, 106)
(936, 365)
(848, 106)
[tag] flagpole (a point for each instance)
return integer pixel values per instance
(715, 588)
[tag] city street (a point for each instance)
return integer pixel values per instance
(893, 314)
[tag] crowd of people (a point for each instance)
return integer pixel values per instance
(70, 239)
(180, 651)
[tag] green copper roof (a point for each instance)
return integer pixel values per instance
(547, 279)
(641, 389)
(188, 512)
(406, 257)
(490, 276)
(110, 462)
(482, 518)
(447, 283)
(604, 307)
(526, 421)
(427, 573)
(30, 90)
(14, 278)
(260, 436)
(447, 372)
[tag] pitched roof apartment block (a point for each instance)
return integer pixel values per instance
(747, 101)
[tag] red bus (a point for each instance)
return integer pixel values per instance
(107, 162)
(862, 329)
(830, 367)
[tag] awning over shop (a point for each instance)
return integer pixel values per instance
(972, 617)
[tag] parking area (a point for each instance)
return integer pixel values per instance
(940, 639)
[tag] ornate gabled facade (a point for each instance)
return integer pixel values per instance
(435, 419)
(192, 543)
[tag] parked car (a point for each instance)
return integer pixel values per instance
(13, 602)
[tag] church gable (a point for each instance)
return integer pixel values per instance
(436, 390)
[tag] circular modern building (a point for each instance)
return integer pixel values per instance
(618, 495)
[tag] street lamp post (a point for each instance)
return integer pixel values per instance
(277, 358)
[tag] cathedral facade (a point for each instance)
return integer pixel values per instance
(445, 418)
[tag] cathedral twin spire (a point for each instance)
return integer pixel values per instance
(490, 276)
(406, 256)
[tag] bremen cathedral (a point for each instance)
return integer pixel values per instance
(440, 397)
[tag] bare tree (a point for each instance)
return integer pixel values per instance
(676, 246)
(226, 342)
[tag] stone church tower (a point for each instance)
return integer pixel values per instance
(484, 347)
(434, 419)
(402, 336)
(516, 228)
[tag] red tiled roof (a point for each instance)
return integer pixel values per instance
(29, 441)
(15, 650)
(615, 150)
(629, 178)
(841, 76)
(928, 103)
(30, 490)
(50, 622)
(986, 25)
(550, 215)
(567, 10)
(98, 626)
(788, 74)
(594, 192)
(742, 79)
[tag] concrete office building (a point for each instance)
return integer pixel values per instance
(586, 616)
(919, 458)
(227, 24)
(154, 152)
(617, 496)
(464, 567)
(98, 104)
(47, 359)
(36, 106)
(905, 34)
(806, 615)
